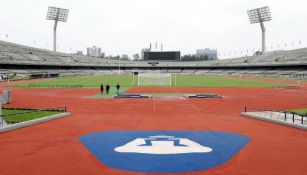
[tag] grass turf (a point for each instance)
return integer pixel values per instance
(112, 92)
(85, 81)
(25, 117)
(218, 81)
(130, 81)
(299, 111)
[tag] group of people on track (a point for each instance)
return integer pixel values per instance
(108, 87)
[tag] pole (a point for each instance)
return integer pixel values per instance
(263, 37)
(175, 80)
(138, 79)
(118, 66)
(132, 78)
(153, 98)
(54, 35)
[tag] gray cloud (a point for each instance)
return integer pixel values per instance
(126, 26)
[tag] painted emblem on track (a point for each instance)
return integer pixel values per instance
(162, 145)
(163, 151)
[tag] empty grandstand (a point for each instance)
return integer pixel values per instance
(18, 61)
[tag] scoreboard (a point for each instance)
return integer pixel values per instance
(171, 55)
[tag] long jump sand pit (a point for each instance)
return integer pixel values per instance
(55, 147)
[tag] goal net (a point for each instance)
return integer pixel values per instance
(154, 79)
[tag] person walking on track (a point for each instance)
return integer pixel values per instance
(108, 89)
(117, 88)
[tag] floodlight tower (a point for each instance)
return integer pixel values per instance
(56, 14)
(260, 15)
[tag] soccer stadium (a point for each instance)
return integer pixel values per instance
(64, 113)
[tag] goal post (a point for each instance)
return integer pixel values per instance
(154, 79)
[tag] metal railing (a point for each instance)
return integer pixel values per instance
(280, 114)
(27, 115)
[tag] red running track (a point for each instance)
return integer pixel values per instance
(53, 147)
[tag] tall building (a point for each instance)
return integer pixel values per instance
(206, 54)
(93, 52)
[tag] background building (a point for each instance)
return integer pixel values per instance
(94, 52)
(206, 54)
(79, 53)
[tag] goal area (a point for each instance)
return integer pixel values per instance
(154, 79)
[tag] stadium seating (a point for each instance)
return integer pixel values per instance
(19, 59)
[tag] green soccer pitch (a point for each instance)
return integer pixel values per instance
(28, 115)
(131, 81)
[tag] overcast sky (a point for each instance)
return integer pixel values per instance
(126, 26)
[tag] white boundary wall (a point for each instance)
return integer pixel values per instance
(7, 128)
(279, 118)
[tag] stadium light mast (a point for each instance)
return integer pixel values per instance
(260, 15)
(56, 14)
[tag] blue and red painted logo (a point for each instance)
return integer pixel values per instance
(164, 151)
